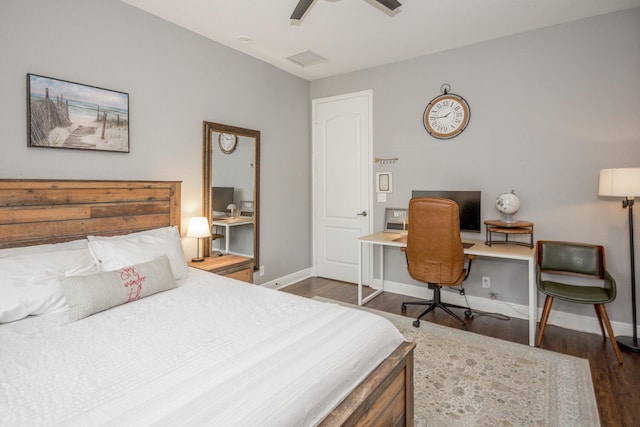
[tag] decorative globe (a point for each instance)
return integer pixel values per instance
(508, 204)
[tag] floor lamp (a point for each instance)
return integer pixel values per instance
(625, 183)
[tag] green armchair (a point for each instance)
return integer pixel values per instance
(580, 260)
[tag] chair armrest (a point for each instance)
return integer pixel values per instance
(538, 275)
(467, 271)
(610, 285)
(404, 249)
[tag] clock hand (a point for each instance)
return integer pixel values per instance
(442, 117)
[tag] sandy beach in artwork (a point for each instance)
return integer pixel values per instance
(86, 132)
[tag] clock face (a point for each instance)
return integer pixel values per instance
(227, 142)
(446, 116)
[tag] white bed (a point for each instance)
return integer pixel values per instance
(192, 348)
(206, 352)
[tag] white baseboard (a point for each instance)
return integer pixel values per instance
(562, 319)
(287, 280)
(571, 321)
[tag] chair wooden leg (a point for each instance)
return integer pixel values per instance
(544, 318)
(605, 318)
(600, 321)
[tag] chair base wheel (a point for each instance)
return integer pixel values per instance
(463, 327)
(468, 314)
(404, 308)
(416, 323)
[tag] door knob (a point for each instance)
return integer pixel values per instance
(363, 213)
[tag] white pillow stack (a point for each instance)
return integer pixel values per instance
(30, 277)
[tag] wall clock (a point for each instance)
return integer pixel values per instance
(227, 142)
(447, 115)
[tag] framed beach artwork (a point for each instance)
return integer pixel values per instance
(62, 114)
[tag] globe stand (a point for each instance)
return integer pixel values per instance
(507, 218)
(515, 228)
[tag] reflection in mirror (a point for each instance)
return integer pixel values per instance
(231, 189)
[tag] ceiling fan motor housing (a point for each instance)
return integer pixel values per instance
(303, 6)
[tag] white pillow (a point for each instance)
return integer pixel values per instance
(30, 277)
(94, 293)
(112, 253)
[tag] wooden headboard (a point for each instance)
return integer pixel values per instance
(36, 212)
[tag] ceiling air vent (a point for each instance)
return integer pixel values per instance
(307, 58)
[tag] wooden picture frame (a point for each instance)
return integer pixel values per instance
(63, 114)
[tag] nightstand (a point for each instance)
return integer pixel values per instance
(235, 266)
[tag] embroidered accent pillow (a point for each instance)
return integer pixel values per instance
(87, 295)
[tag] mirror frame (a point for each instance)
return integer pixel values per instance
(207, 152)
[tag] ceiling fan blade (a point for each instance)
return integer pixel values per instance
(301, 9)
(390, 4)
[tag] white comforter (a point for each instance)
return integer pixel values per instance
(214, 351)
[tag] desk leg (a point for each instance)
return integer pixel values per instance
(226, 238)
(359, 272)
(381, 261)
(533, 303)
(362, 301)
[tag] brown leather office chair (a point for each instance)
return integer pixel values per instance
(434, 251)
(580, 260)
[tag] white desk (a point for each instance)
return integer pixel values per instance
(227, 223)
(515, 252)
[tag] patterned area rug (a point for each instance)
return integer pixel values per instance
(466, 379)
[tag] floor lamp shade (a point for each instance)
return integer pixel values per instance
(625, 182)
(198, 227)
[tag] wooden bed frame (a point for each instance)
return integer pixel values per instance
(36, 212)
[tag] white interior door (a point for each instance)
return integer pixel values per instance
(342, 184)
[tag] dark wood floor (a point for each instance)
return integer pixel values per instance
(617, 388)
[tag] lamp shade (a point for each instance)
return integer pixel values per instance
(622, 182)
(198, 227)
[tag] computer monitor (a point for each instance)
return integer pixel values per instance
(468, 205)
(221, 197)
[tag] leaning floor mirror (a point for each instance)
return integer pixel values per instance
(231, 190)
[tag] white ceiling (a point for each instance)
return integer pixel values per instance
(357, 34)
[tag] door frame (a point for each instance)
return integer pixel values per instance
(367, 267)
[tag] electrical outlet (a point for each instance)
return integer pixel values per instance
(486, 282)
(261, 270)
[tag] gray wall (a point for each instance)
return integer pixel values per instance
(549, 109)
(175, 80)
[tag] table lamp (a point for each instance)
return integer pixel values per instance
(232, 208)
(198, 227)
(625, 182)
